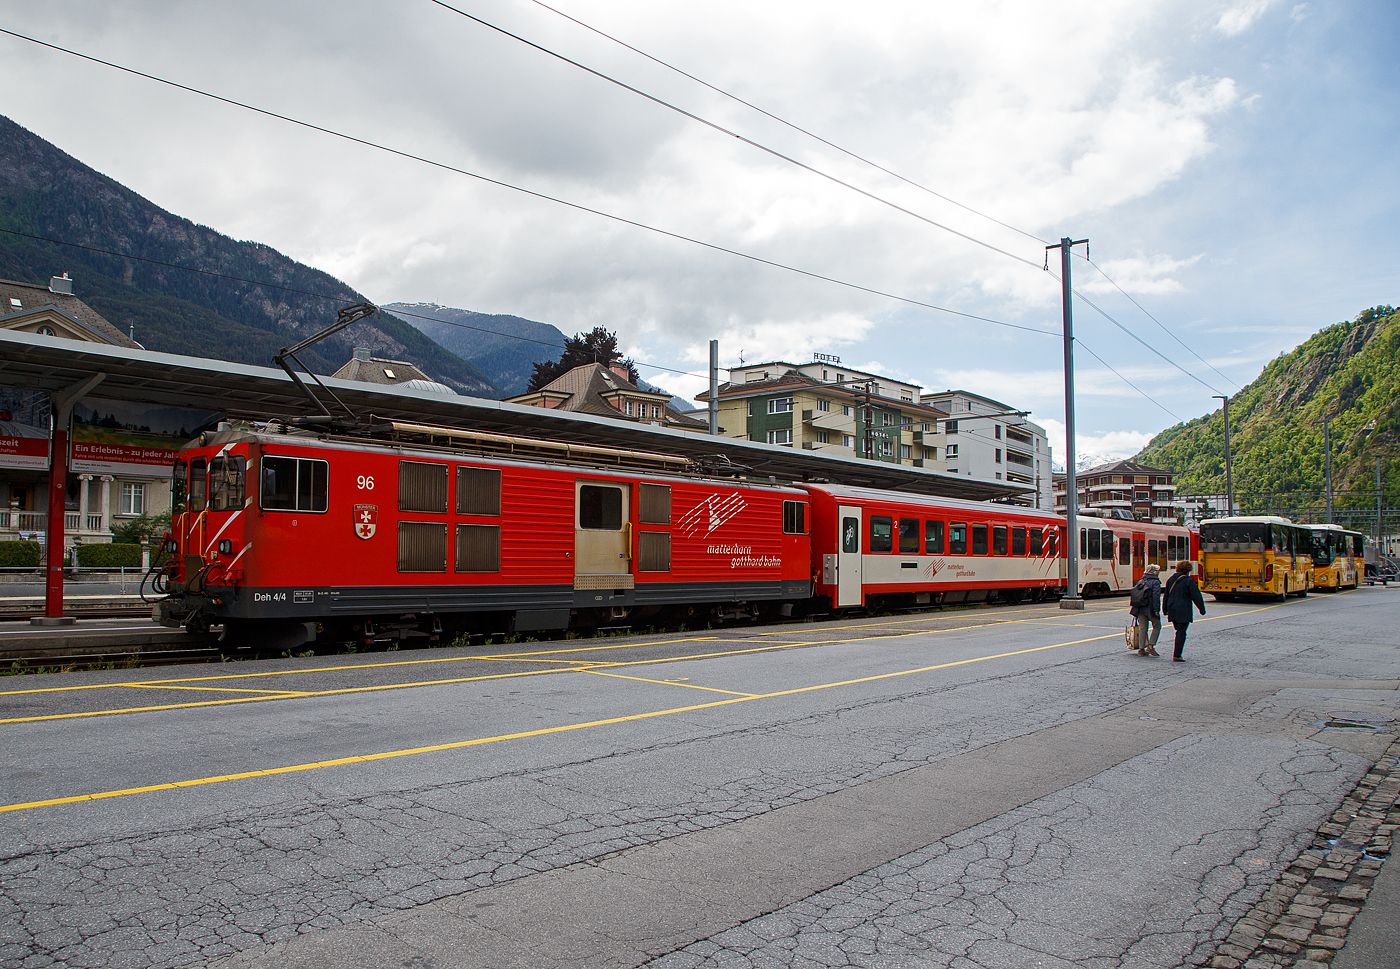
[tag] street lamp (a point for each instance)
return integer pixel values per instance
(1327, 454)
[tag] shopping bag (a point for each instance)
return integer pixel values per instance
(1130, 635)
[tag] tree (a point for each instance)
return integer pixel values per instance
(596, 346)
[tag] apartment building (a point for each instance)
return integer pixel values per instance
(1125, 489)
(987, 439)
(823, 406)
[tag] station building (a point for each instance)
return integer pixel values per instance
(1124, 489)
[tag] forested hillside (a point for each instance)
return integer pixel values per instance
(46, 193)
(1350, 373)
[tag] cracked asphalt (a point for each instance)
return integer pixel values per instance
(994, 787)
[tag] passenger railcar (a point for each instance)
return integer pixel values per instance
(1115, 552)
(370, 540)
(879, 548)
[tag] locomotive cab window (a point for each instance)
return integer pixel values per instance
(199, 485)
(998, 539)
(979, 539)
(600, 507)
(179, 486)
(957, 538)
(933, 538)
(294, 484)
(881, 533)
(909, 536)
(227, 477)
(794, 518)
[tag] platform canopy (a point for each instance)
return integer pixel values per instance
(30, 361)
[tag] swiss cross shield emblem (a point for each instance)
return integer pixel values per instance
(366, 518)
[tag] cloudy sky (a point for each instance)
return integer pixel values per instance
(1232, 162)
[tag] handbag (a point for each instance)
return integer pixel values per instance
(1130, 635)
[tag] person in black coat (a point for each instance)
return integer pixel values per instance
(1180, 595)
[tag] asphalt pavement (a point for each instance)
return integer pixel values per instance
(993, 787)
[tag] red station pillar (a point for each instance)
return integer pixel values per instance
(58, 492)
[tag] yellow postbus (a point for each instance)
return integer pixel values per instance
(1262, 555)
(1337, 557)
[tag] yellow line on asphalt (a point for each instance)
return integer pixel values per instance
(211, 689)
(541, 732)
(689, 686)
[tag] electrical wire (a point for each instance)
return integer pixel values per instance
(734, 134)
(783, 121)
(1154, 319)
(1127, 381)
(530, 192)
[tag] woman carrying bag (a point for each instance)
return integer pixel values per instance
(1180, 595)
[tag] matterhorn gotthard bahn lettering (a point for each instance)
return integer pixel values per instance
(713, 513)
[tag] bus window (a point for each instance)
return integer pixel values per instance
(957, 538)
(1036, 545)
(199, 485)
(1018, 541)
(933, 538)
(909, 536)
(998, 539)
(881, 533)
(1095, 548)
(979, 539)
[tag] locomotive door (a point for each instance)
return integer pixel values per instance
(1139, 555)
(848, 558)
(602, 536)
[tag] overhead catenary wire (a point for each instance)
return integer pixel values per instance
(1125, 380)
(783, 121)
(526, 191)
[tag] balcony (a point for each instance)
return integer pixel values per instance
(827, 420)
(1015, 457)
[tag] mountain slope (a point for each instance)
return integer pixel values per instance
(45, 192)
(1349, 372)
(506, 347)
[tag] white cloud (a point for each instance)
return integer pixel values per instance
(1139, 274)
(1093, 448)
(1239, 17)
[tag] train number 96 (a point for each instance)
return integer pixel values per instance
(365, 482)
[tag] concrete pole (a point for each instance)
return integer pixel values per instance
(714, 387)
(1229, 483)
(1071, 599)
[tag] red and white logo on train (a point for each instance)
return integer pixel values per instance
(366, 520)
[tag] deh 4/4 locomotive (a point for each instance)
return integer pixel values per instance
(285, 536)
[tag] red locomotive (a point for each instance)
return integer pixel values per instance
(293, 535)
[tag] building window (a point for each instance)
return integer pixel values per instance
(930, 454)
(780, 405)
(133, 498)
(627, 408)
(951, 427)
(823, 437)
(780, 437)
(750, 408)
(845, 410)
(823, 405)
(886, 447)
(951, 451)
(997, 429)
(998, 450)
(849, 441)
(906, 452)
(998, 475)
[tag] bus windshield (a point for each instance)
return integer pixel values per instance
(1235, 532)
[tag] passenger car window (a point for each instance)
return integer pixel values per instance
(933, 538)
(957, 538)
(909, 536)
(1018, 541)
(998, 539)
(881, 533)
(979, 539)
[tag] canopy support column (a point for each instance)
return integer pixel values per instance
(61, 408)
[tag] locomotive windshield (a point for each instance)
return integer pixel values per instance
(226, 483)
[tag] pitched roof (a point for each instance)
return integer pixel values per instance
(377, 370)
(1115, 467)
(588, 385)
(25, 299)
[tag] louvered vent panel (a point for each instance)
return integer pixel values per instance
(422, 487)
(655, 504)
(478, 548)
(422, 547)
(654, 551)
(478, 491)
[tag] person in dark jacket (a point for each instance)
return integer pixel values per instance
(1181, 594)
(1149, 611)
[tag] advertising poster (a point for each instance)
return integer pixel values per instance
(24, 429)
(129, 438)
